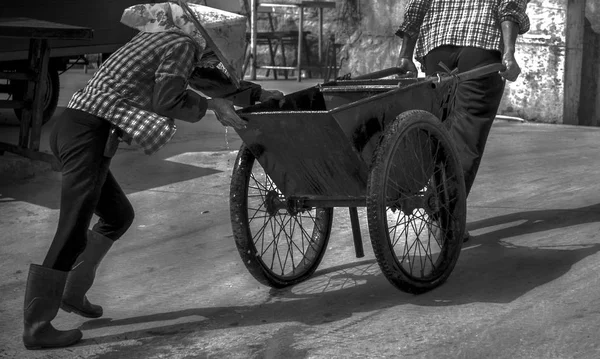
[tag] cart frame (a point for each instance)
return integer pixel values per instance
(333, 145)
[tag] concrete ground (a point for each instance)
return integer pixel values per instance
(174, 286)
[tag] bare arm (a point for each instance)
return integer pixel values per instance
(407, 50)
(409, 31)
(509, 36)
(513, 21)
(405, 60)
(214, 83)
(171, 98)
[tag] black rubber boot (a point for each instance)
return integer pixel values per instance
(42, 299)
(82, 276)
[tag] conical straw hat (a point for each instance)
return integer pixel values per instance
(227, 30)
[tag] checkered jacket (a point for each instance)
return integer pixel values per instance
(142, 88)
(473, 23)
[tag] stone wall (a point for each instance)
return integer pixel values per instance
(537, 95)
(369, 44)
(592, 13)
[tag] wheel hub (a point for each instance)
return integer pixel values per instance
(272, 202)
(433, 205)
(429, 202)
(409, 203)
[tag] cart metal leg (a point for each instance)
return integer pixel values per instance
(358, 244)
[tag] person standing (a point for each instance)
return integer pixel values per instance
(464, 35)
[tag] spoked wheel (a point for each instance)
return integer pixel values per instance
(416, 203)
(279, 243)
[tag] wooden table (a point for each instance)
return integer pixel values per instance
(256, 7)
(38, 32)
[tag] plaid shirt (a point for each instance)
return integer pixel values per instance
(142, 87)
(474, 23)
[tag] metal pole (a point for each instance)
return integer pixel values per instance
(320, 35)
(574, 41)
(300, 40)
(356, 235)
(253, 30)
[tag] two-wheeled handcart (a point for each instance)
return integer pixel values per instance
(371, 142)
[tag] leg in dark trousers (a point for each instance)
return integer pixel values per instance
(113, 209)
(78, 140)
(88, 187)
(476, 102)
(116, 215)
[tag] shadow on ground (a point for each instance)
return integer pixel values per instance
(488, 271)
(136, 176)
(537, 221)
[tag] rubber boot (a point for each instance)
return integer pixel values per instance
(42, 299)
(82, 276)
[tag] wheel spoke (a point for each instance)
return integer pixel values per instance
(278, 245)
(420, 190)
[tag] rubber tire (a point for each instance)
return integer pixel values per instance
(20, 87)
(241, 228)
(377, 218)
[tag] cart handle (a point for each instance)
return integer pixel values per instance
(480, 71)
(380, 74)
(467, 75)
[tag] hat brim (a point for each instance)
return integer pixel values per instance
(222, 31)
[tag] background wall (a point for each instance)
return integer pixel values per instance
(365, 31)
(536, 95)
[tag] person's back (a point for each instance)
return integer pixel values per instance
(465, 34)
(466, 23)
(141, 88)
(131, 73)
(461, 23)
(132, 77)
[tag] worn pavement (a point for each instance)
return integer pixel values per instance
(174, 286)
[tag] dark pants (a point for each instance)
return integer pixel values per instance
(88, 187)
(476, 102)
